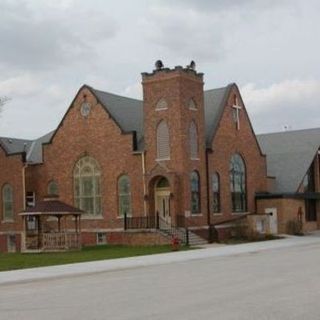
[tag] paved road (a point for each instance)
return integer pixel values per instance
(274, 284)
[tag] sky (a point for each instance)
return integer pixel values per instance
(49, 49)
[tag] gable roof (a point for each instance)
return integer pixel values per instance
(289, 156)
(214, 103)
(128, 115)
(126, 112)
(14, 146)
(34, 154)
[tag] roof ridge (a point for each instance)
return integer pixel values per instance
(288, 131)
(116, 95)
(228, 85)
(30, 140)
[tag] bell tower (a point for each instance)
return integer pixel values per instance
(174, 134)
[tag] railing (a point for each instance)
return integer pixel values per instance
(181, 233)
(60, 241)
(147, 222)
(156, 222)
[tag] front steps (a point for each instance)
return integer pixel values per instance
(195, 240)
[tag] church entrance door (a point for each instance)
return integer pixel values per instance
(162, 200)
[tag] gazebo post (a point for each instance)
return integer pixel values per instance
(59, 224)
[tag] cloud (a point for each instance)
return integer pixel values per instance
(292, 102)
(40, 37)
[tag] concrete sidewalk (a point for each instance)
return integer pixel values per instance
(25, 275)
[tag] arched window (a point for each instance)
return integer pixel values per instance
(162, 104)
(193, 140)
(163, 143)
(53, 189)
(238, 183)
(7, 201)
(87, 186)
(192, 104)
(215, 193)
(124, 192)
(195, 192)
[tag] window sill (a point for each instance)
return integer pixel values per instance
(163, 159)
(121, 217)
(196, 215)
(217, 213)
(161, 109)
(92, 217)
(194, 158)
(7, 221)
(239, 213)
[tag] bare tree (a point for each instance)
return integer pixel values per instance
(3, 101)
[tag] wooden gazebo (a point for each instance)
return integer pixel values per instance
(51, 225)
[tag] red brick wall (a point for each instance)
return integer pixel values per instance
(99, 137)
(141, 238)
(11, 172)
(228, 141)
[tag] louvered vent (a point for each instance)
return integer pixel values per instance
(163, 143)
(193, 139)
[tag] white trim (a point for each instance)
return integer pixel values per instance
(7, 221)
(91, 217)
(239, 213)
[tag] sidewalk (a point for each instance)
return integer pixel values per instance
(25, 275)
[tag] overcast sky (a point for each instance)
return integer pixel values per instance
(48, 49)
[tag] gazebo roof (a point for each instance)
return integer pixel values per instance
(51, 206)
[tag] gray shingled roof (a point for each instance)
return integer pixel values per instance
(34, 154)
(289, 156)
(128, 114)
(14, 146)
(214, 102)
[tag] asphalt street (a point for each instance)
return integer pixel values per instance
(281, 283)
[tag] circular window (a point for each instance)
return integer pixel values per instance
(85, 109)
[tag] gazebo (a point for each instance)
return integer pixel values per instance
(51, 225)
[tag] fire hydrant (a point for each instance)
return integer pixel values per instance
(175, 243)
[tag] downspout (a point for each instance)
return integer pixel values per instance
(144, 182)
(208, 187)
(22, 235)
(25, 165)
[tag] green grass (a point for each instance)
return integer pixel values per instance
(13, 261)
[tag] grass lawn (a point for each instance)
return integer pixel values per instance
(13, 261)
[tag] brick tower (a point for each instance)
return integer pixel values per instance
(174, 139)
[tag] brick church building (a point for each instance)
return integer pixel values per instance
(181, 156)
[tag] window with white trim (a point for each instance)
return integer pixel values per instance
(162, 104)
(193, 140)
(53, 189)
(30, 199)
(195, 192)
(7, 202)
(163, 141)
(215, 193)
(238, 184)
(87, 194)
(192, 104)
(124, 193)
